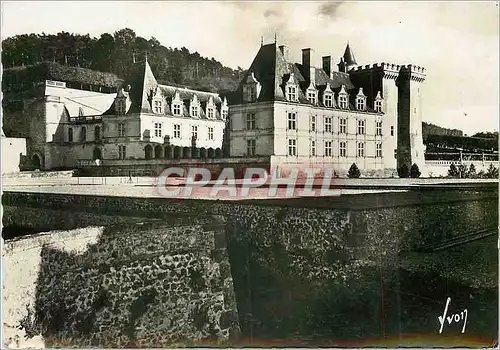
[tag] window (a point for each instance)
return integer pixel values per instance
(292, 93)
(328, 124)
(122, 152)
(210, 133)
(361, 149)
(379, 129)
(194, 111)
(361, 127)
(311, 96)
(378, 106)
(313, 123)
(194, 131)
(70, 135)
(120, 106)
(253, 92)
(224, 114)
(292, 121)
(360, 103)
(83, 134)
(343, 101)
(121, 129)
(328, 148)
(177, 131)
(328, 100)
(177, 109)
(250, 121)
(342, 149)
(313, 148)
(379, 150)
(392, 130)
(292, 147)
(210, 112)
(343, 126)
(97, 133)
(158, 129)
(158, 106)
(251, 145)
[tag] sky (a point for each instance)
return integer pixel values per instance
(457, 42)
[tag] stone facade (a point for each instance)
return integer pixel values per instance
(64, 125)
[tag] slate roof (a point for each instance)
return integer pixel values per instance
(142, 87)
(272, 71)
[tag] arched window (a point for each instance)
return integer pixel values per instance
(83, 134)
(97, 132)
(70, 135)
(97, 153)
(158, 151)
(148, 152)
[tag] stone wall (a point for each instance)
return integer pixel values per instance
(133, 285)
(301, 267)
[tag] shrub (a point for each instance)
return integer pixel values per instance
(404, 172)
(354, 172)
(453, 171)
(414, 171)
(472, 171)
(492, 172)
(462, 171)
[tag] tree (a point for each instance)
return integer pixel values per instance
(472, 171)
(403, 171)
(354, 172)
(414, 171)
(492, 172)
(453, 171)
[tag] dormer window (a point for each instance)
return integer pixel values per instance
(224, 114)
(251, 88)
(292, 93)
(177, 104)
(252, 92)
(328, 100)
(343, 102)
(378, 103)
(158, 106)
(360, 104)
(311, 97)
(210, 112)
(121, 106)
(194, 111)
(360, 100)
(176, 109)
(343, 98)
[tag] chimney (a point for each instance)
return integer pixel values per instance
(312, 75)
(284, 51)
(327, 65)
(306, 62)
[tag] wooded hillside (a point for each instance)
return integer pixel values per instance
(115, 53)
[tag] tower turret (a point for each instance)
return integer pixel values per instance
(348, 61)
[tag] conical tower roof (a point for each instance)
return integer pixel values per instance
(349, 58)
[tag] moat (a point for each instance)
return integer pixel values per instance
(365, 270)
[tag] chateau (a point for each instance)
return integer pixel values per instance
(283, 115)
(300, 115)
(68, 127)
